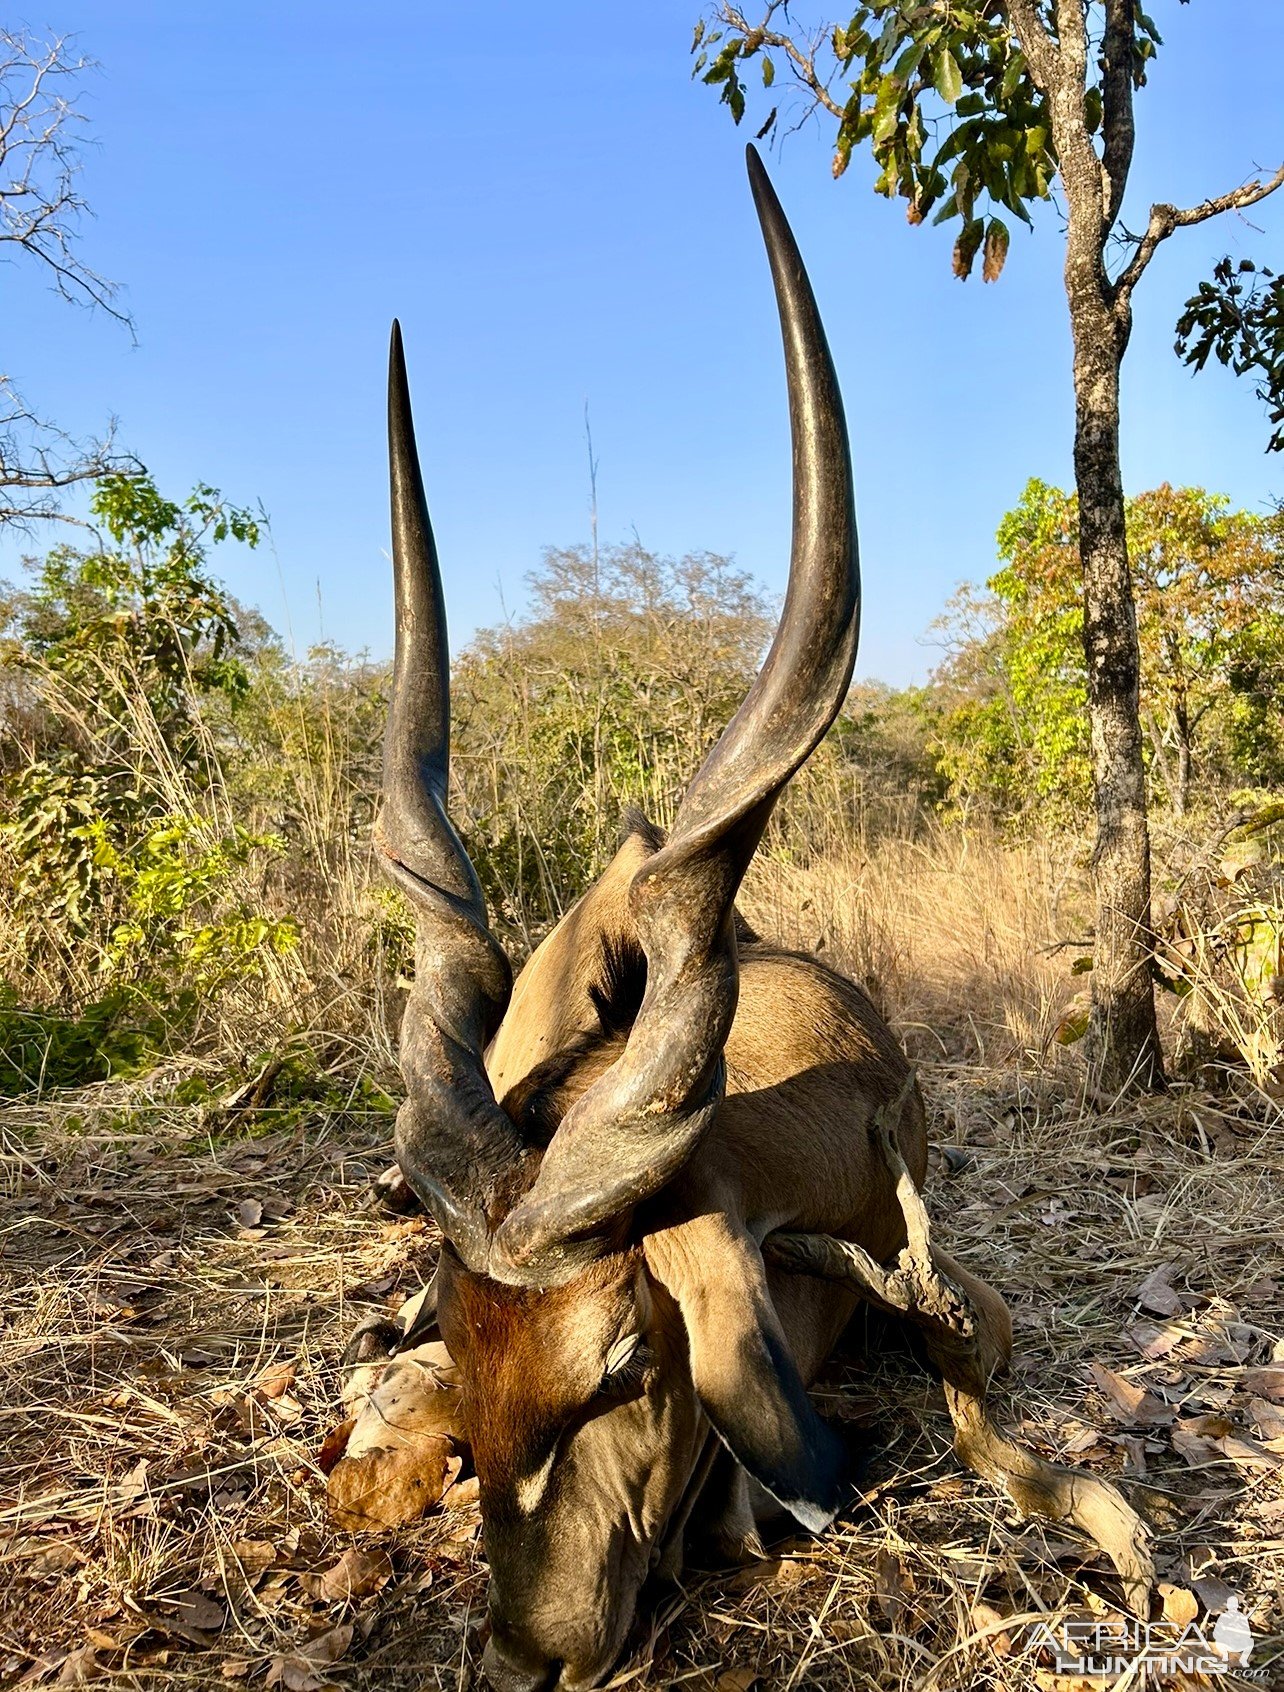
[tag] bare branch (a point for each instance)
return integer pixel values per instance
(1164, 219)
(38, 461)
(40, 204)
(40, 210)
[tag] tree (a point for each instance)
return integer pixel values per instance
(1209, 582)
(970, 109)
(1210, 610)
(138, 619)
(126, 879)
(40, 207)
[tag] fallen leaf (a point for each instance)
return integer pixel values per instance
(1156, 1339)
(1180, 1605)
(1155, 1293)
(101, 1640)
(736, 1680)
(1083, 1441)
(299, 1670)
(1267, 1382)
(357, 1574)
(771, 1571)
(389, 1487)
(1223, 1341)
(1246, 1453)
(1195, 1450)
(1213, 1593)
(330, 1646)
(254, 1555)
(196, 1610)
(81, 1666)
(275, 1381)
(286, 1409)
(1134, 1405)
(1135, 1446)
(893, 1585)
(1208, 1427)
(55, 1557)
(1267, 1418)
(989, 1625)
(296, 1674)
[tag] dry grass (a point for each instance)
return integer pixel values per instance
(952, 932)
(169, 1373)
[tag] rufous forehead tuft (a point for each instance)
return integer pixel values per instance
(556, 1335)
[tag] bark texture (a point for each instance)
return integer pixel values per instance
(1123, 1048)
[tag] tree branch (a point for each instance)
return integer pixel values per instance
(1036, 43)
(39, 162)
(1164, 219)
(804, 62)
(1119, 129)
(37, 461)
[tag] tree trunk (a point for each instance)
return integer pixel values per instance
(1123, 1048)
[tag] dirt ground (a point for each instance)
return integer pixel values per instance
(179, 1279)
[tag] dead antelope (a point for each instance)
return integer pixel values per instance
(670, 1160)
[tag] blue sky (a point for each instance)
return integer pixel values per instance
(558, 215)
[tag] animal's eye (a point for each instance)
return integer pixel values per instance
(626, 1365)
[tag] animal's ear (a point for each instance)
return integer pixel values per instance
(743, 1371)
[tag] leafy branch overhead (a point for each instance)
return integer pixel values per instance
(1238, 317)
(943, 95)
(956, 115)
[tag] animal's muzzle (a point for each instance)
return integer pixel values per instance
(508, 1669)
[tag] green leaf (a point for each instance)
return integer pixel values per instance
(1073, 1026)
(1012, 74)
(768, 72)
(949, 79)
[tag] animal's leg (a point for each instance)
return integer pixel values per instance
(968, 1335)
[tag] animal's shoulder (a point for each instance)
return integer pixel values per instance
(796, 1014)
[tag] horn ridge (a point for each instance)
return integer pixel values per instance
(455, 1146)
(630, 1133)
